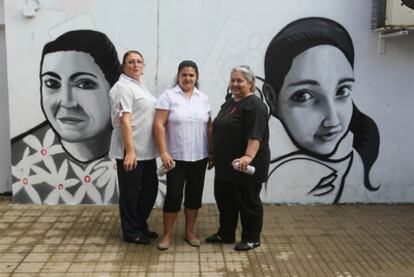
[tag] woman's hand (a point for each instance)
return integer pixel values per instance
(130, 161)
(167, 161)
(210, 163)
(243, 162)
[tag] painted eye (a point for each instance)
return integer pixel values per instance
(52, 83)
(343, 91)
(86, 84)
(302, 96)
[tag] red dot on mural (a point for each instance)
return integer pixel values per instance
(87, 179)
(25, 181)
(60, 186)
(43, 152)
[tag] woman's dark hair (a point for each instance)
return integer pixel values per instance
(95, 43)
(187, 63)
(131, 52)
(292, 40)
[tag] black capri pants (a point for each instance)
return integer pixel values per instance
(188, 176)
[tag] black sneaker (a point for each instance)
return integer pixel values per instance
(245, 246)
(150, 234)
(216, 238)
(139, 240)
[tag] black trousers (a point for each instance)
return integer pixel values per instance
(190, 174)
(234, 199)
(137, 192)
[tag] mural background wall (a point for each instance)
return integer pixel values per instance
(219, 35)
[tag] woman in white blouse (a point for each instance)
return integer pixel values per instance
(182, 128)
(133, 147)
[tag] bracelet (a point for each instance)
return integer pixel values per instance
(247, 155)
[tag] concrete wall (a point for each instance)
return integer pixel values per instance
(219, 35)
(5, 174)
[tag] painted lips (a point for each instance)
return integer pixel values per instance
(330, 136)
(70, 120)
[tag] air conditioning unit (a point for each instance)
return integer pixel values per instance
(392, 15)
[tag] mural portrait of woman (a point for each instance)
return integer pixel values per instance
(63, 159)
(309, 87)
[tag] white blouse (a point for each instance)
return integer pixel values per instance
(187, 123)
(129, 95)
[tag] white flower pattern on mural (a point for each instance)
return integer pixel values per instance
(89, 178)
(41, 155)
(26, 181)
(59, 181)
(43, 150)
(108, 179)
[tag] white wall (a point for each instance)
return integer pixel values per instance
(5, 174)
(218, 35)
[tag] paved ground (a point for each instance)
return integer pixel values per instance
(340, 240)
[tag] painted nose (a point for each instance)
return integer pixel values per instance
(331, 117)
(67, 99)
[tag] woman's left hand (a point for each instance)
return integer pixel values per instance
(243, 161)
(210, 163)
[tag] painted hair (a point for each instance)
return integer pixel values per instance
(297, 37)
(95, 43)
(248, 74)
(187, 63)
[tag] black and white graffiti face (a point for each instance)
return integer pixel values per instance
(75, 95)
(315, 101)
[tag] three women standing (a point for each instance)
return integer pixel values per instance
(133, 147)
(183, 132)
(182, 128)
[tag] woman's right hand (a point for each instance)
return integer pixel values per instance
(130, 161)
(167, 161)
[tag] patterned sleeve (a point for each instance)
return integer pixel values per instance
(122, 99)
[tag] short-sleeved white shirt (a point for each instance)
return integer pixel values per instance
(187, 123)
(129, 95)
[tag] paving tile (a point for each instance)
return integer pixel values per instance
(30, 267)
(56, 267)
(52, 240)
(25, 274)
(37, 257)
(107, 267)
(12, 257)
(27, 239)
(8, 240)
(88, 257)
(62, 257)
(55, 274)
(82, 267)
(8, 266)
